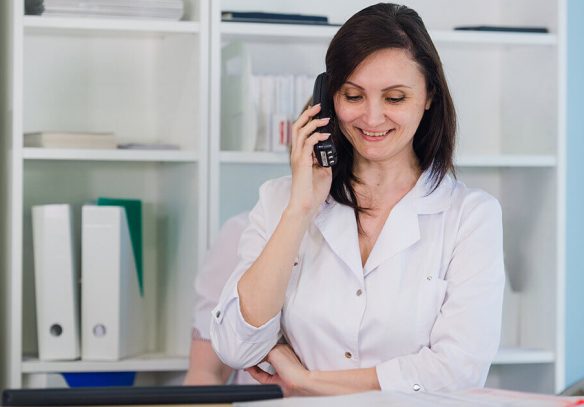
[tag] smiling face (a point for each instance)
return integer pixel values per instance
(380, 106)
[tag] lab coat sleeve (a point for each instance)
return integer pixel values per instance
(465, 336)
(237, 343)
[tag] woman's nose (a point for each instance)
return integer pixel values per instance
(373, 115)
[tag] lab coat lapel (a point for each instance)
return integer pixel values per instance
(402, 228)
(338, 226)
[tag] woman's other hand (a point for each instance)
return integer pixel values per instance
(289, 374)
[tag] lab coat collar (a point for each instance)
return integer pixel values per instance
(338, 225)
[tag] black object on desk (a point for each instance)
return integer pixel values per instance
(140, 395)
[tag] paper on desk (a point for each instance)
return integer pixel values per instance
(507, 398)
(475, 398)
(369, 399)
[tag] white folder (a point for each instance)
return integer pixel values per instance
(112, 319)
(56, 282)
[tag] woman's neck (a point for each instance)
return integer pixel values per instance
(384, 182)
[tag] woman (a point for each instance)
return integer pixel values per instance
(384, 273)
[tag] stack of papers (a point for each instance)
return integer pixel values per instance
(140, 9)
(67, 139)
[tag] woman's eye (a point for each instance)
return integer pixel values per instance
(394, 99)
(353, 98)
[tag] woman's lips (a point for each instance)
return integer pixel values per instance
(374, 135)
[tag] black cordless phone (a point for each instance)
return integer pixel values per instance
(325, 151)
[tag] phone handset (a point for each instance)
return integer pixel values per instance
(325, 151)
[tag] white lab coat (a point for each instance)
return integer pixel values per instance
(425, 310)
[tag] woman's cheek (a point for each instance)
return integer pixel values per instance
(346, 114)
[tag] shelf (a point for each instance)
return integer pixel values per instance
(301, 32)
(503, 160)
(39, 24)
(253, 157)
(514, 356)
(154, 362)
(506, 160)
(109, 155)
(160, 363)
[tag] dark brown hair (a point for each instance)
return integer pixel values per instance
(378, 27)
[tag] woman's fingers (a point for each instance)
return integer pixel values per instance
(315, 138)
(306, 116)
(311, 141)
(306, 134)
(259, 375)
(305, 126)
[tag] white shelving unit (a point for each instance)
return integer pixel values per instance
(153, 81)
(147, 81)
(508, 89)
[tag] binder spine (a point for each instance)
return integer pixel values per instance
(56, 282)
(112, 304)
(100, 283)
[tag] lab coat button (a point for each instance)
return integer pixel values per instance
(348, 355)
(359, 292)
(217, 314)
(429, 278)
(416, 387)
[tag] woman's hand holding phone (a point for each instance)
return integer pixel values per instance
(310, 182)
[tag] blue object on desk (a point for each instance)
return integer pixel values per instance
(99, 379)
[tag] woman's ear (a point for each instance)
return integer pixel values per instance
(429, 100)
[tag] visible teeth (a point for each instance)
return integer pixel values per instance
(374, 134)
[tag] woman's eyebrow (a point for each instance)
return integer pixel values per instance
(383, 90)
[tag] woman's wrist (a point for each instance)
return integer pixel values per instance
(298, 214)
(305, 387)
(335, 382)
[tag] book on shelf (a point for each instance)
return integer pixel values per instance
(34, 7)
(68, 139)
(257, 111)
(276, 18)
(238, 109)
(500, 28)
(148, 146)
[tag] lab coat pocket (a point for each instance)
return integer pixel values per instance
(431, 297)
